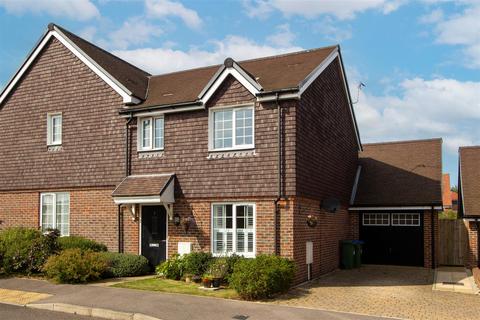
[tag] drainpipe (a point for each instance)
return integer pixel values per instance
(127, 146)
(119, 229)
(279, 177)
(478, 243)
(432, 227)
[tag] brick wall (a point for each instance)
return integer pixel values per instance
(471, 260)
(427, 238)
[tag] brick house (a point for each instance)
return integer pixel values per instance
(232, 158)
(469, 200)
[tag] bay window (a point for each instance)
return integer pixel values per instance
(232, 128)
(233, 229)
(55, 212)
(151, 133)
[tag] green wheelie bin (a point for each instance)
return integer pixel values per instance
(358, 253)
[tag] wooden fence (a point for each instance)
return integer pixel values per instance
(453, 242)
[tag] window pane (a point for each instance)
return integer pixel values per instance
(158, 133)
(47, 211)
(57, 129)
(244, 128)
(63, 213)
(223, 129)
(240, 241)
(250, 242)
(146, 131)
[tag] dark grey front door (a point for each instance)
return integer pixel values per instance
(154, 234)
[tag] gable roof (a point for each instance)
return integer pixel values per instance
(274, 73)
(127, 80)
(402, 173)
(469, 181)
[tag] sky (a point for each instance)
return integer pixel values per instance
(419, 59)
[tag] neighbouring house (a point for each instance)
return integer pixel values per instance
(249, 157)
(446, 192)
(397, 200)
(454, 200)
(469, 200)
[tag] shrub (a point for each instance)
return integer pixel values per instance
(75, 266)
(80, 243)
(125, 265)
(172, 268)
(25, 250)
(196, 263)
(262, 277)
(218, 269)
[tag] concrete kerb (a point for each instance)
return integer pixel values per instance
(91, 312)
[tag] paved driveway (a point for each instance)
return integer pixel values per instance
(401, 292)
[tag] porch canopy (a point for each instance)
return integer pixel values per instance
(145, 189)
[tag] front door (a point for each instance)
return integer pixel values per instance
(154, 234)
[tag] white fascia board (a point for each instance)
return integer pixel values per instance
(395, 208)
(317, 71)
(105, 76)
(137, 200)
(281, 96)
(224, 74)
(163, 111)
(355, 185)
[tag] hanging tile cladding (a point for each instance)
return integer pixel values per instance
(93, 132)
(186, 151)
(327, 152)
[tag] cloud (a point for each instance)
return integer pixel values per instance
(165, 8)
(432, 17)
(283, 37)
(134, 31)
(312, 9)
(330, 30)
(78, 10)
(423, 108)
(167, 59)
(462, 29)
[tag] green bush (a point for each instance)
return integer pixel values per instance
(125, 265)
(262, 277)
(196, 263)
(80, 243)
(218, 269)
(24, 250)
(172, 268)
(75, 266)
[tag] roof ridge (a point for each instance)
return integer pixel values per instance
(245, 61)
(103, 50)
(402, 141)
(469, 147)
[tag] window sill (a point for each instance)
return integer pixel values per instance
(54, 148)
(148, 154)
(231, 154)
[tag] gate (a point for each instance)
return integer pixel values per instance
(453, 242)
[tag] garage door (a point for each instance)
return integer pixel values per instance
(392, 238)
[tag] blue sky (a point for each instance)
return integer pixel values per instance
(420, 60)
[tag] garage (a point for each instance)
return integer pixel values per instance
(392, 238)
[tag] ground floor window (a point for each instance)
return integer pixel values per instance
(406, 219)
(55, 212)
(376, 219)
(233, 229)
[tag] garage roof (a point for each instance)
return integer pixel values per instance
(470, 181)
(401, 173)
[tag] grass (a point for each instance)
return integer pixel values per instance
(172, 286)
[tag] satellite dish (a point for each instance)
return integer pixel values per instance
(331, 205)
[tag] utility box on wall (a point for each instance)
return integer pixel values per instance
(184, 248)
(309, 255)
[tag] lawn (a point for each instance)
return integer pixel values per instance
(172, 286)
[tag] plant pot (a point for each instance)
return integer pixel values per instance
(207, 283)
(216, 282)
(196, 279)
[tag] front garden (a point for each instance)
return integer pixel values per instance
(78, 260)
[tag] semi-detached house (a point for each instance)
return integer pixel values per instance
(249, 157)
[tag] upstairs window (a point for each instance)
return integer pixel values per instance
(55, 212)
(233, 229)
(151, 134)
(232, 128)
(54, 129)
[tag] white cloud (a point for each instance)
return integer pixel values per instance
(423, 108)
(161, 60)
(461, 29)
(134, 31)
(432, 17)
(165, 8)
(77, 10)
(332, 32)
(283, 37)
(312, 9)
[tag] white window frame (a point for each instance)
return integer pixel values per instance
(50, 136)
(54, 222)
(406, 225)
(234, 229)
(151, 147)
(375, 224)
(211, 127)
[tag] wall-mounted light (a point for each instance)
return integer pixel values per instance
(312, 221)
(176, 219)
